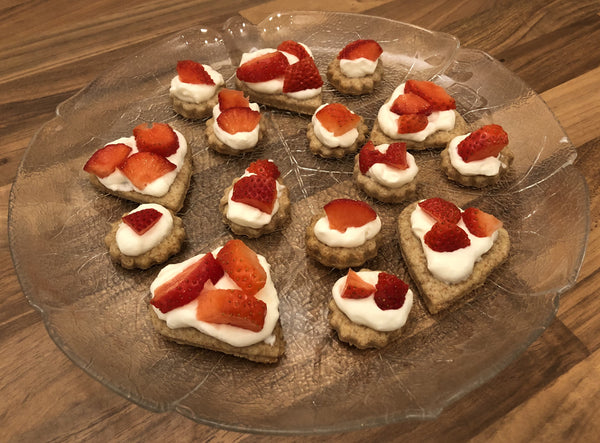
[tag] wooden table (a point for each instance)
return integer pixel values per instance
(50, 49)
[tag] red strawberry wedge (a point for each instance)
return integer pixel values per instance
(231, 307)
(368, 49)
(234, 120)
(437, 96)
(187, 285)
(390, 292)
(410, 104)
(258, 191)
(294, 48)
(368, 156)
(486, 141)
(480, 223)
(105, 160)
(337, 118)
(156, 137)
(395, 156)
(242, 265)
(356, 287)
(441, 210)
(193, 72)
(263, 68)
(446, 237)
(264, 167)
(231, 98)
(302, 75)
(345, 213)
(142, 168)
(142, 221)
(410, 123)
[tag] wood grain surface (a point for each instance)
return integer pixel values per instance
(51, 48)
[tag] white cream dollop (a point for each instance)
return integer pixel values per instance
(132, 244)
(353, 237)
(328, 138)
(393, 177)
(488, 166)
(240, 140)
(364, 311)
(359, 67)
(196, 93)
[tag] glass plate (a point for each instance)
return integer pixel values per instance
(96, 312)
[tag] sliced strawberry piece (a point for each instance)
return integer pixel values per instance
(390, 292)
(231, 98)
(105, 160)
(302, 75)
(242, 265)
(142, 168)
(234, 120)
(231, 307)
(409, 123)
(356, 287)
(294, 48)
(446, 237)
(368, 156)
(437, 96)
(193, 72)
(368, 49)
(156, 137)
(345, 213)
(337, 118)
(264, 167)
(263, 68)
(259, 191)
(485, 142)
(480, 223)
(441, 210)
(395, 156)
(411, 104)
(187, 285)
(142, 221)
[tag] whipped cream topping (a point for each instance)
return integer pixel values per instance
(359, 67)
(364, 311)
(185, 316)
(328, 138)
(455, 266)
(117, 181)
(246, 215)
(353, 237)
(132, 244)
(388, 121)
(240, 140)
(488, 166)
(196, 93)
(393, 177)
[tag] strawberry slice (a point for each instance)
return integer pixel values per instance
(368, 49)
(345, 213)
(187, 285)
(337, 118)
(263, 68)
(242, 265)
(259, 191)
(294, 48)
(390, 292)
(231, 307)
(368, 156)
(395, 156)
(437, 96)
(302, 75)
(142, 221)
(231, 98)
(410, 104)
(409, 123)
(485, 142)
(234, 120)
(105, 160)
(156, 137)
(264, 167)
(480, 223)
(441, 210)
(142, 168)
(446, 237)
(193, 72)
(356, 287)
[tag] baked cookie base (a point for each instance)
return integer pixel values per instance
(438, 295)
(281, 101)
(195, 111)
(174, 197)
(259, 352)
(382, 193)
(169, 246)
(353, 85)
(476, 181)
(318, 148)
(438, 139)
(217, 145)
(277, 221)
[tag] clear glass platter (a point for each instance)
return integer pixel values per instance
(96, 312)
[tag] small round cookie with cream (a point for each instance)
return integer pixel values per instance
(335, 131)
(194, 89)
(357, 69)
